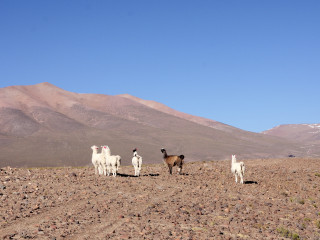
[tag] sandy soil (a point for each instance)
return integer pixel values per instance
(280, 199)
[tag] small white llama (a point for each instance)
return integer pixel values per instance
(237, 168)
(136, 162)
(112, 162)
(96, 160)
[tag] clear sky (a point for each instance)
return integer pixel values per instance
(247, 63)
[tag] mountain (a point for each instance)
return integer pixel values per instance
(165, 109)
(43, 125)
(307, 135)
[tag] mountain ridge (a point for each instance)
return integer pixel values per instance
(63, 125)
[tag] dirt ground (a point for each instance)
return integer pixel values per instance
(280, 199)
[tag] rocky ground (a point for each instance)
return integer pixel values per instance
(280, 199)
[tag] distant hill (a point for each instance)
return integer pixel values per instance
(43, 125)
(307, 135)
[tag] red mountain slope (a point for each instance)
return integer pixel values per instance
(43, 125)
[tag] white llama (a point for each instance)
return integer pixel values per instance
(237, 168)
(96, 160)
(112, 163)
(136, 162)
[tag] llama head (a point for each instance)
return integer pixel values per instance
(163, 150)
(94, 147)
(106, 149)
(234, 158)
(134, 150)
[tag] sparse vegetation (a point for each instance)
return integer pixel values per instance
(318, 224)
(307, 219)
(287, 233)
(212, 223)
(317, 174)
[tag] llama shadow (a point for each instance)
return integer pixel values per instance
(145, 175)
(250, 182)
(125, 175)
(184, 174)
(151, 175)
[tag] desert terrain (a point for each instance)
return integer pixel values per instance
(279, 200)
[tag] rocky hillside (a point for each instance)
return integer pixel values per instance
(307, 135)
(297, 132)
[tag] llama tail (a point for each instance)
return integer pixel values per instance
(242, 167)
(118, 162)
(181, 156)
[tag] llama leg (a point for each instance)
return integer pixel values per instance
(241, 178)
(108, 170)
(170, 168)
(104, 170)
(236, 176)
(96, 169)
(243, 172)
(139, 169)
(114, 171)
(100, 169)
(180, 168)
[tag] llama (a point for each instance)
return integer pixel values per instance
(237, 168)
(172, 160)
(112, 163)
(136, 162)
(96, 160)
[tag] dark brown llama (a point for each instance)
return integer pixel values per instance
(172, 160)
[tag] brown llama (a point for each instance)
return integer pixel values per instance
(172, 160)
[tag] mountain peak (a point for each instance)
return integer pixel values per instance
(47, 85)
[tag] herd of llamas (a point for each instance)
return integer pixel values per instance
(104, 163)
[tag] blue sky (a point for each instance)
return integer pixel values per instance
(249, 64)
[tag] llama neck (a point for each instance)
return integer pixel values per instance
(165, 154)
(107, 152)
